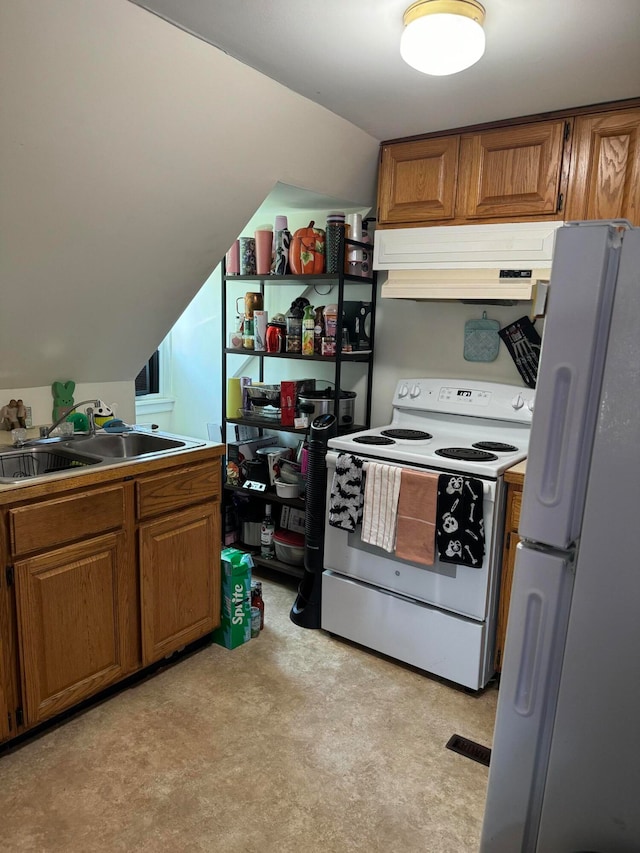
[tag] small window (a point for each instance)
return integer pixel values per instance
(148, 380)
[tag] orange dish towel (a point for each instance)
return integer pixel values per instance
(417, 506)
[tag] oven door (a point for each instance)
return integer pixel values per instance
(467, 591)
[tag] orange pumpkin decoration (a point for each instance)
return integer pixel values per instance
(306, 252)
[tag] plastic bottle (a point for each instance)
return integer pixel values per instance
(331, 321)
(268, 528)
(318, 329)
(308, 325)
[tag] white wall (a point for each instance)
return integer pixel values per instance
(120, 395)
(426, 339)
(131, 155)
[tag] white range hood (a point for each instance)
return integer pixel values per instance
(483, 262)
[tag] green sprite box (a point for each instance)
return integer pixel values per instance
(235, 626)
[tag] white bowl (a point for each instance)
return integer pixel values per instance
(287, 490)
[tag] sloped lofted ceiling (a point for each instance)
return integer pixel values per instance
(541, 55)
(131, 155)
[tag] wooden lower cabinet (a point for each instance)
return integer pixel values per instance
(71, 624)
(179, 580)
(511, 539)
(103, 575)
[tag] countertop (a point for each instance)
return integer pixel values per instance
(516, 473)
(53, 483)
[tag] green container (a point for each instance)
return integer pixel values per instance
(236, 631)
(235, 627)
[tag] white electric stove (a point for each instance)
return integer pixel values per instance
(479, 428)
(440, 618)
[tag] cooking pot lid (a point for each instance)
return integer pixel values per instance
(289, 537)
(326, 394)
(263, 451)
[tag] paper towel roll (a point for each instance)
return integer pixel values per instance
(260, 330)
(234, 396)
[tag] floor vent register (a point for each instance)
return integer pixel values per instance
(470, 749)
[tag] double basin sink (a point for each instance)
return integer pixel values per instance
(44, 457)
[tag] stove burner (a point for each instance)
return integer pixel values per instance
(407, 434)
(466, 453)
(496, 446)
(373, 439)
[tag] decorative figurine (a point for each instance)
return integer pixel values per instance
(13, 415)
(62, 398)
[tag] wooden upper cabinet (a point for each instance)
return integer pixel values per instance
(418, 180)
(605, 170)
(511, 172)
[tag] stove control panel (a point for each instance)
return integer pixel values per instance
(477, 398)
(466, 396)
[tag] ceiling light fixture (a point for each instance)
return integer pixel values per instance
(442, 36)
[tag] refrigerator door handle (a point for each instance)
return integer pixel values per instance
(556, 428)
(525, 691)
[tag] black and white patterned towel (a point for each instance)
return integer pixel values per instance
(460, 520)
(347, 493)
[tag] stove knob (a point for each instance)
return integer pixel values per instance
(518, 402)
(404, 390)
(530, 404)
(415, 391)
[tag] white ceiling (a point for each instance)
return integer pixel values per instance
(541, 55)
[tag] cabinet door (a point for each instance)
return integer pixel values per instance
(6, 706)
(605, 168)
(71, 623)
(511, 172)
(179, 579)
(418, 180)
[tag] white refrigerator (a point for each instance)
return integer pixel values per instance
(565, 766)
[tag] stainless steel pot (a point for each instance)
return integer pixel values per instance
(322, 402)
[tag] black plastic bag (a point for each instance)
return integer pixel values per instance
(523, 343)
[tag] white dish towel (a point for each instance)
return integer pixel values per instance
(380, 511)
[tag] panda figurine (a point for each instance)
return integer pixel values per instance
(102, 413)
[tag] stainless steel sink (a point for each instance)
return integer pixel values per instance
(125, 445)
(44, 457)
(25, 463)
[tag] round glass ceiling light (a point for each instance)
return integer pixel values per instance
(443, 37)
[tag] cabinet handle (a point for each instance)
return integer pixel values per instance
(560, 201)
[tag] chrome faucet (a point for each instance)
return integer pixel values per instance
(45, 432)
